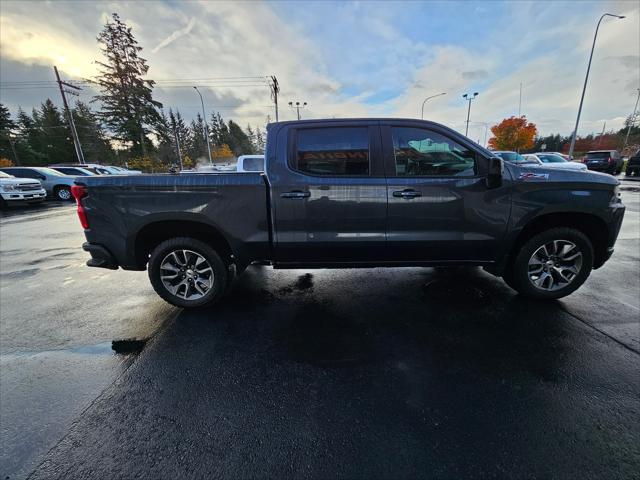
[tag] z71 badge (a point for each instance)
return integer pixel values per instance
(533, 176)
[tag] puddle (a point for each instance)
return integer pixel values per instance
(28, 272)
(128, 346)
(303, 283)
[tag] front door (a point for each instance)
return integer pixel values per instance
(439, 206)
(329, 194)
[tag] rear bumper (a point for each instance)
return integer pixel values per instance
(100, 256)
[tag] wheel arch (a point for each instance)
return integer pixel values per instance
(154, 233)
(591, 225)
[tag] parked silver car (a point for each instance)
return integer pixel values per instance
(551, 160)
(55, 183)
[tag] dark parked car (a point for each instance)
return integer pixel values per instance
(355, 193)
(609, 161)
(633, 165)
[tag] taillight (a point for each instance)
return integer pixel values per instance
(79, 192)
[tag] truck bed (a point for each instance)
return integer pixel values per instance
(121, 209)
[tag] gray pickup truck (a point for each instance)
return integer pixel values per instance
(355, 193)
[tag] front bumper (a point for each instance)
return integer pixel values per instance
(100, 256)
(27, 197)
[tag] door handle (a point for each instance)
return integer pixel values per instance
(407, 194)
(295, 194)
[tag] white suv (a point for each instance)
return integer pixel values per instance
(20, 190)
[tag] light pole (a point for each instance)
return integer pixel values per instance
(467, 97)
(425, 101)
(631, 122)
(298, 106)
(204, 125)
(586, 78)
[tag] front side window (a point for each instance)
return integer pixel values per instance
(333, 151)
(421, 152)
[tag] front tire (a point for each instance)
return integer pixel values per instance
(187, 272)
(552, 264)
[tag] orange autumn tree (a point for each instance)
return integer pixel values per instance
(513, 133)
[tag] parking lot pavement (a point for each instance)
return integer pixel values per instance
(384, 373)
(57, 321)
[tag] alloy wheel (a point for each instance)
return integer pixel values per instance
(186, 274)
(64, 194)
(555, 265)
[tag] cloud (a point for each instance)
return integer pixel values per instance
(350, 59)
(175, 35)
(475, 74)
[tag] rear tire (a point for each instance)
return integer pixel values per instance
(551, 264)
(63, 193)
(187, 273)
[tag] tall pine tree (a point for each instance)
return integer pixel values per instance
(127, 104)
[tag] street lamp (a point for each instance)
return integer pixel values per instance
(586, 78)
(468, 97)
(298, 106)
(205, 129)
(425, 101)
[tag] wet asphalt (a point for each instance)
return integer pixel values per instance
(379, 373)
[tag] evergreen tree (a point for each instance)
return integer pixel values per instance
(127, 105)
(198, 147)
(181, 129)
(239, 141)
(26, 138)
(7, 128)
(167, 152)
(95, 145)
(259, 143)
(52, 137)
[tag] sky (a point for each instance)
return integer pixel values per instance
(346, 59)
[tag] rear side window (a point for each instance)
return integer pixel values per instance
(423, 153)
(333, 151)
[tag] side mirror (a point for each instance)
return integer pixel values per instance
(494, 177)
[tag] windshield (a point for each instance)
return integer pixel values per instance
(513, 157)
(5, 175)
(549, 158)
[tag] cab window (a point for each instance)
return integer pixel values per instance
(423, 153)
(342, 151)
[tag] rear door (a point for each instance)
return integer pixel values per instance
(439, 206)
(329, 193)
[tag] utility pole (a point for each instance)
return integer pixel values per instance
(467, 97)
(632, 120)
(205, 129)
(275, 89)
(72, 125)
(298, 106)
(586, 78)
(520, 101)
(602, 134)
(175, 133)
